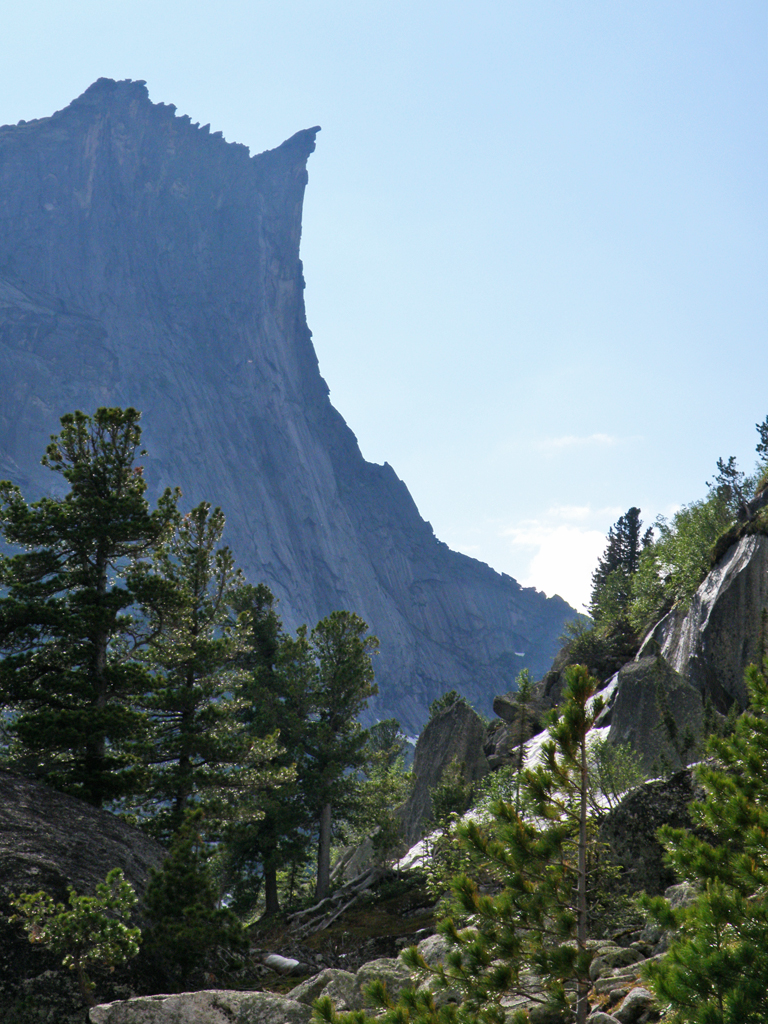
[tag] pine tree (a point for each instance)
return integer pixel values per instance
(539, 918)
(343, 682)
(198, 753)
(69, 678)
(716, 969)
(619, 562)
(275, 691)
(181, 903)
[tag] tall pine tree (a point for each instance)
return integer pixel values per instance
(198, 753)
(69, 678)
(343, 682)
(275, 689)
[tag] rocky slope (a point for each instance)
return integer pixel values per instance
(146, 261)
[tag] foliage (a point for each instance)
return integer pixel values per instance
(69, 678)
(181, 903)
(453, 793)
(385, 785)
(91, 933)
(197, 752)
(342, 684)
(447, 700)
(541, 866)
(275, 694)
(680, 558)
(386, 741)
(619, 562)
(716, 969)
(614, 769)
(603, 648)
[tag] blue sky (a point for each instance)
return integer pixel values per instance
(535, 234)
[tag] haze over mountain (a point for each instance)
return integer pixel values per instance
(145, 261)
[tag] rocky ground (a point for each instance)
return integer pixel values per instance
(618, 994)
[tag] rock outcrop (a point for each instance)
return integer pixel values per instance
(49, 841)
(629, 831)
(145, 261)
(457, 733)
(615, 975)
(724, 630)
(658, 712)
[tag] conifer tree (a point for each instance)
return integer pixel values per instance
(69, 678)
(275, 690)
(342, 684)
(539, 919)
(181, 903)
(716, 969)
(198, 753)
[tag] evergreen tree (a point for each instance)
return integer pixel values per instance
(198, 753)
(716, 969)
(539, 919)
(69, 678)
(275, 690)
(619, 562)
(342, 684)
(181, 903)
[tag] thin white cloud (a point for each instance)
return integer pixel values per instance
(573, 441)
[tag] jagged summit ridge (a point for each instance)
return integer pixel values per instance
(145, 261)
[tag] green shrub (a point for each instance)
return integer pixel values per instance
(181, 902)
(91, 933)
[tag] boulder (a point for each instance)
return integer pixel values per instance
(649, 692)
(48, 841)
(337, 984)
(514, 726)
(630, 829)
(457, 732)
(638, 1001)
(207, 1007)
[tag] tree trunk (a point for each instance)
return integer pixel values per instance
(272, 901)
(582, 1006)
(324, 853)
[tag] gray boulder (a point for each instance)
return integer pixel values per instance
(638, 1001)
(49, 841)
(207, 1007)
(649, 691)
(630, 829)
(338, 984)
(457, 732)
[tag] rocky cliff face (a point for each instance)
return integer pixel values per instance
(145, 261)
(724, 630)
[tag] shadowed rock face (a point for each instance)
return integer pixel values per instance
(147, 262)
(455, 733)
(48, 841)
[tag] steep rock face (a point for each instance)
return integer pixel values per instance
(146, 262)
(723, 630)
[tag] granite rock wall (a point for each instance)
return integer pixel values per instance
(146, 261)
